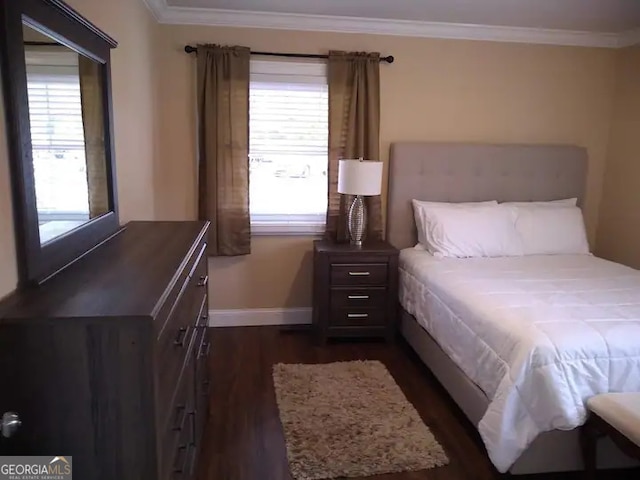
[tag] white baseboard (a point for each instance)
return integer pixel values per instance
(259, 316)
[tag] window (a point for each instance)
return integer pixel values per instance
(288, 147)
(57, 135)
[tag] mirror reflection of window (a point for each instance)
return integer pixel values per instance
(67, 135)
(57, 138)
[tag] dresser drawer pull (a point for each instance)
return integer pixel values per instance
(181, 337)
(178, 423)
(359, 274)
(206, 347)
(358, 297)
(204, 279)
(181, 451)
(357, 315)
(186, 452)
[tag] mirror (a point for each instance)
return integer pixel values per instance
(67, 135)
(56, 78)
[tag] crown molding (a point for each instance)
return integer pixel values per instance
(629, 38)
(156, 7)
(374, 26)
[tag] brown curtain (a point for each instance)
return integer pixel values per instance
(94, 142)
(354, 132)
(223, 140)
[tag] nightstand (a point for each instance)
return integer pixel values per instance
(355, 290)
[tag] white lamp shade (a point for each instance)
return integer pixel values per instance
(360, 177)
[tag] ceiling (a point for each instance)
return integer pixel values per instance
(611, 16)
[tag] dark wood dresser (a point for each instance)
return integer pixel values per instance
(355, 290)
(107, 360)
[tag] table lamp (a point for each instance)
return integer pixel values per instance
(360, 178)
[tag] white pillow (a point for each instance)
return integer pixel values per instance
(551, 231)
(418, 216)
(479, 231)
(567, 202)
(424, 203)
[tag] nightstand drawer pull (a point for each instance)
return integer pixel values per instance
(358, 297)
(364, 274)
(357, 315)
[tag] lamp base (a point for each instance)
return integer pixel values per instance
(357, 221)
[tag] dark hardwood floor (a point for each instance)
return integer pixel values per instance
(244, 439)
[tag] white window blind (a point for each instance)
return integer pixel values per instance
(288, 147)
(57, 135)
(55, 111)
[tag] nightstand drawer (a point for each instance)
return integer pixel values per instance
(358, 297)
(359, 274)
(357, 316)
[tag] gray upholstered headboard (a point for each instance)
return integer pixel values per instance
(447, 172)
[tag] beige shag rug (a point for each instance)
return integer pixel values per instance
(350, 419)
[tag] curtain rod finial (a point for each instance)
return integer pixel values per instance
(190, 49)
(389, 59)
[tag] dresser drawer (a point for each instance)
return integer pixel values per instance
(358, 297)
(202, 386)
(181, 314)
(177, 453)
(172, 351)
(359, 274)
(183, 461)
(178, 429)
(357, 316)
(193, 276)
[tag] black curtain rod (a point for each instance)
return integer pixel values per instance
(191, 49)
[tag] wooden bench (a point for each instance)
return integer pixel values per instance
(616, 415)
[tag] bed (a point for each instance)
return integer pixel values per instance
(462, 173)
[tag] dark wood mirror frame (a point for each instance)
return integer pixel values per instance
(37, 262)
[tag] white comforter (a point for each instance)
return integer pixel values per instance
(538, 334)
